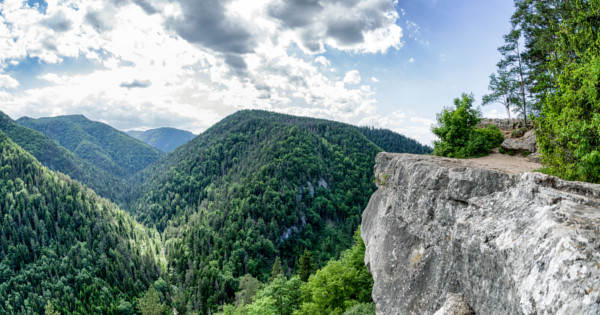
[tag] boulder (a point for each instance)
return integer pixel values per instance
(526, 143)
(444, 235)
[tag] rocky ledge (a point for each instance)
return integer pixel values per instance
(447, 236)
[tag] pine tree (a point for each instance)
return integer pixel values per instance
(305, 265)
(150, 303)
(276, 269)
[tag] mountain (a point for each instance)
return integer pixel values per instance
(394, 142)
(255, 187)
(57, 158)
(134, 133)
(164, 139)
(96, 142)
(63, 247)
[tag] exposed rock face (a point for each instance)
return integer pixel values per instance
(443, 235)
(503, 124)
(525, 143)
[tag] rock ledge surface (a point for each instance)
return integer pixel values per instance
(445, 234)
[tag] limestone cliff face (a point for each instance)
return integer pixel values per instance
(446, 237)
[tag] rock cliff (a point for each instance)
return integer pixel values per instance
(446, 236)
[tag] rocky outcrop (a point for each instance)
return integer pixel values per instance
(525, 143)
(502, 124)
(445, 236)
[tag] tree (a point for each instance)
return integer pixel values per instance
(305, 263)
(504, 90)
(49, 309)
(513, 65)
(568, 129)
(459, 137)
(276, 269)
(150, 303)
(247, 289)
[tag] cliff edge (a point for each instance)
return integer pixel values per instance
(446, 236)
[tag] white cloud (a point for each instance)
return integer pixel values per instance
(8, 82)
(352, 77)
(374, 80)
(411, 60)
(149, 71)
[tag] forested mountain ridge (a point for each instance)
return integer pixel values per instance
(255, 186)
(62, 245)
(165, 139)
(394, 142)
(57, 158)
(98, 143)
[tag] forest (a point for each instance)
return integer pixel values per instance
(259, 204)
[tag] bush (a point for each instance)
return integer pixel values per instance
(459, 137)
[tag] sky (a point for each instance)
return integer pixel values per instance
(141, 64)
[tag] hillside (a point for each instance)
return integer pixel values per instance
(57, 158)
(394, 142)
(62, 245)
(253, 187)
(164, 139)
(96, 142)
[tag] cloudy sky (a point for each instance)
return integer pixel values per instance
(139, 64)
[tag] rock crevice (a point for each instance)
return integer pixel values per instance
(445, 234)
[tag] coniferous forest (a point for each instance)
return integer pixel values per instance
(255, 215)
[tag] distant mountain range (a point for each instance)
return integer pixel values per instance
(100, 144)
(165, 139)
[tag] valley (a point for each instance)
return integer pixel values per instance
(246, 199)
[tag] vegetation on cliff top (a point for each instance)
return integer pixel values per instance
(459, 136)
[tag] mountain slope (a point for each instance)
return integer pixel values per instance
(253, 187)
(97, 143)
(58, 158)
(164, 139)
(61, 244)
(393, 142)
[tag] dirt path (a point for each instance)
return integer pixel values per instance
(506, 163)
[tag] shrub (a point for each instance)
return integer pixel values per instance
(459, 137)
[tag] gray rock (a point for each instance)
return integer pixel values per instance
(502, 124)
(525, 143)
(503, 243)
(455, 305)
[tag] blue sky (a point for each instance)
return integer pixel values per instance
(139, 64)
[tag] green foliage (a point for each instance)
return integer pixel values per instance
(164, 139)
(568, 130)
(62, 247)
(49, 309)
(504, 88)
(341, 287)
(361, 309)
(102, 145)
(150, 303)
(254, 187)
(459, 137)
(247, 289)
(305, 265)
(276, 270)
(394, 142)
(237, 205)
